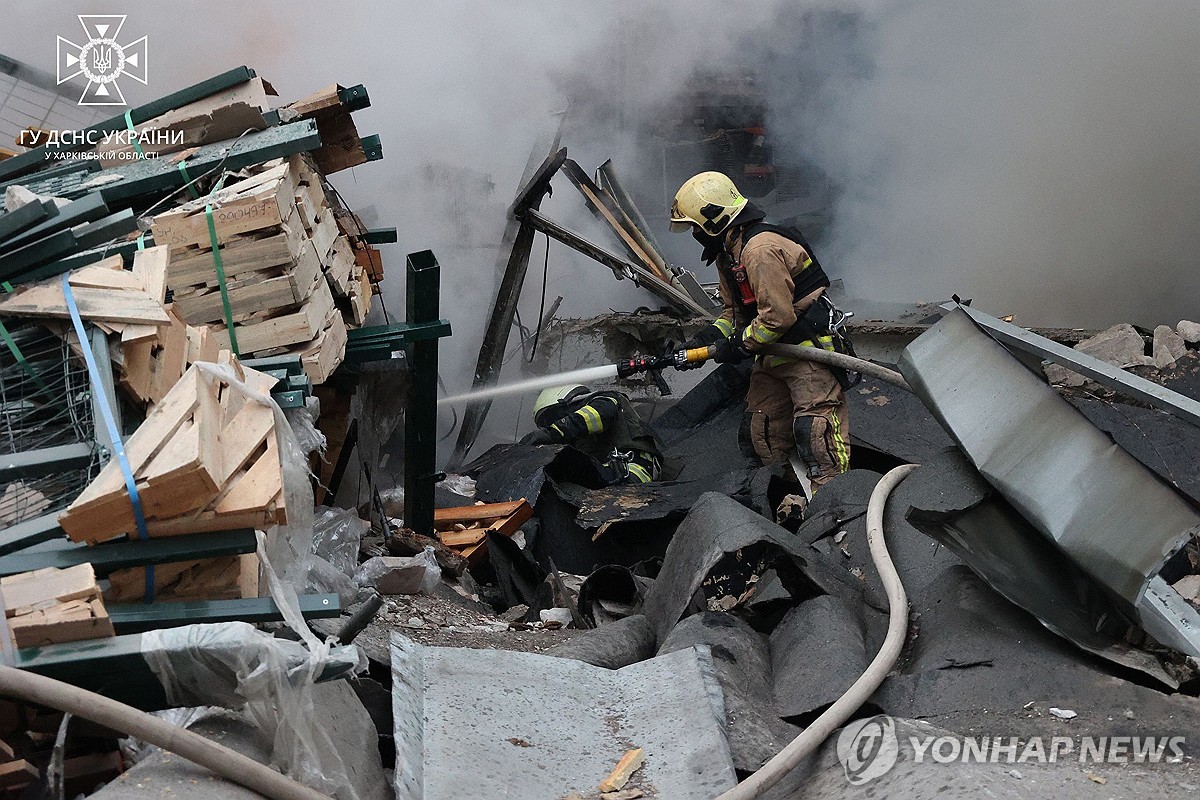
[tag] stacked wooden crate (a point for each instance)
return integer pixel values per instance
(54, 605)
(205, 459)
(283, 257)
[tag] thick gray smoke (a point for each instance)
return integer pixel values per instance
(1039, 157)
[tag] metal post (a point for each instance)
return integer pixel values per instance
(422, 290)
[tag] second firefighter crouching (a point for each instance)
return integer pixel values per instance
(773, 291)
(605, 426)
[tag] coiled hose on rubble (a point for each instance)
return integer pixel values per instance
(837, 714)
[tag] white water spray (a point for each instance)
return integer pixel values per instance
(579, 376)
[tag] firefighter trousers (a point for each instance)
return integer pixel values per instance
(798, 407)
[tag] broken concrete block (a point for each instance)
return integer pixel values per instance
(1058, 375)
(1168, 346)
(1189, 587)
(418, 574)
(1120, 345)
(560, 616)
(1188, 331)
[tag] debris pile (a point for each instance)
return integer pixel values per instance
(177, 280)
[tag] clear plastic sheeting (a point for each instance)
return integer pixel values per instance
(459, 484)
(337, 534)
(303, 422)
(320, 735)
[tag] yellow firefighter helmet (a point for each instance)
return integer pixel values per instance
(548, 406)
(709, 200)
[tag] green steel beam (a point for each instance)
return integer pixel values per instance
(372, 147)
(30, 532)
(422, 305)
(107, 558)
(381, 236)
(116, 667)
(399, 333)
(86, 209)
(44, 461)
(54, 246)
(138, 617)
(114, 226)
(25, 217)
(354, 98)
(29, 161)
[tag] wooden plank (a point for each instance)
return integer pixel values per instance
(325, 354)
(99, 277)
(68, 622)
(243, 434)
(247, 206)
(253, 292)
(193, 265)
(476, 513)
(170, 360)
(49, 585)
(460, 539)
(257, 486)
(150, 267)
(15, 774)
(106, 494)
(323, 98)
(131, 333)
(47, 300)
(341, 269)
(285, 330)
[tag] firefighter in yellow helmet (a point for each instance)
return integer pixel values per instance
(773, 290)
(604, 425)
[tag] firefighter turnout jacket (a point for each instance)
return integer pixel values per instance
(606, 423)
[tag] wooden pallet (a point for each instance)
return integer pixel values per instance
(206, 458)
(224, 578)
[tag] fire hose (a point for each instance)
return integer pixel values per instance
(229, 764)
(683, 358)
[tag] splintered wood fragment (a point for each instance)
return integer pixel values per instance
(108, 305)
(463, 538)
(150, 267)
(630, 763)
(484, 511)
(624, 794)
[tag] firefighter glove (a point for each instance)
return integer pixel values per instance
(731, 351)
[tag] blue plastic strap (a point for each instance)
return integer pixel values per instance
(114, 434)
(141, 242)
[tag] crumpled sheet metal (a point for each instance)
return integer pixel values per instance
(948, 500)
(718, 526)
(1099, 504)
(493, 723)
